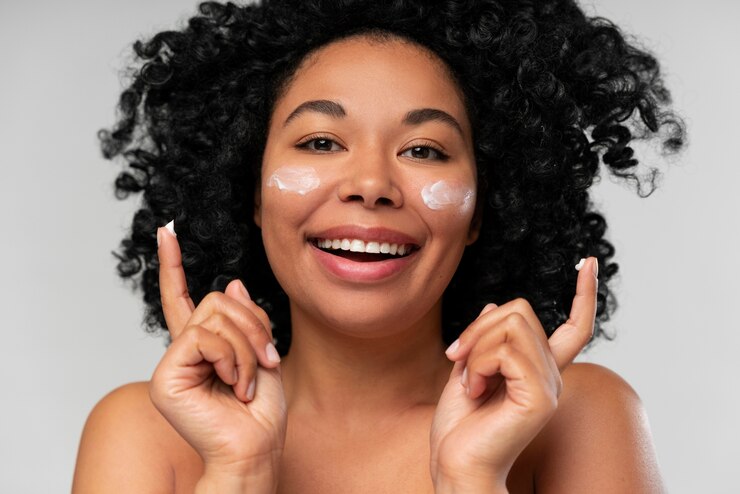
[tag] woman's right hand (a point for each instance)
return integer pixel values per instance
(219, 382)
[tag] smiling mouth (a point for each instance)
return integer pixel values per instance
(361, 251)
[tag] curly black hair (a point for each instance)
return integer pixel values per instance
(550, 94)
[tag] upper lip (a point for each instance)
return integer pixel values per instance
(366, 234)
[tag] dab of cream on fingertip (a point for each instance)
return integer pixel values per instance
(171, 228)
(580, 264)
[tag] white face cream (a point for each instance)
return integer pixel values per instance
(297, 179)
(444, 195)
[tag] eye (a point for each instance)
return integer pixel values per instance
(319, 143)
(425, 153)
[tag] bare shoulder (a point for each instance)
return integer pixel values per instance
(125, 444)
(586, 381)
(127, 404)
(599, 439)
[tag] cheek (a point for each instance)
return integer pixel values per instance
(289, 195)
(294, 180)
(449, 197)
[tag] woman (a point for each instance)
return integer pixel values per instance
(401, 166)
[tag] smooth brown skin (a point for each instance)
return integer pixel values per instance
(370, 400)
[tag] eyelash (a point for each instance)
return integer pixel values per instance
(442, 156)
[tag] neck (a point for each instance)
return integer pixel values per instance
(339, 374)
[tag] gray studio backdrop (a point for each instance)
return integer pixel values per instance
(71, 331)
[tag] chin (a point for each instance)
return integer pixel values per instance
(368, 317)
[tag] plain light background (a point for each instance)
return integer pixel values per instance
(71, 331)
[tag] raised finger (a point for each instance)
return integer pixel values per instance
(244, 319)
(176, 302)
(569, 339)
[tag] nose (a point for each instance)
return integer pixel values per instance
(371, 183)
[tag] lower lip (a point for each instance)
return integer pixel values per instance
(359, 272)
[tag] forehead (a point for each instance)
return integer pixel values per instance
(367, 73)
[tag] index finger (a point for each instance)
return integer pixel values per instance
(569, 339)
(173, 287)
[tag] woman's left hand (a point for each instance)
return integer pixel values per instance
(504, 388)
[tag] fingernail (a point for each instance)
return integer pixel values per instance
(159, 237)
(171, 228)
(250, 390)
(272, 354)
(580, 264)
(464, 378)
(453, 348)
(596, 267)
(487, 308)
(236, 375)
(244, 290)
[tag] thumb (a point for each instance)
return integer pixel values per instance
(457, 370)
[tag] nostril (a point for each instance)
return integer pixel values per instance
(380, 201)
(371, 193)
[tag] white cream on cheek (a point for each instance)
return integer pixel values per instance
(296, 179)
(445, 195)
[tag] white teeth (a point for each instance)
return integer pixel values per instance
(355, 245)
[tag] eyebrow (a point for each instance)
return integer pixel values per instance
(327, 107)
(414, 117)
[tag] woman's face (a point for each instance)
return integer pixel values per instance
(369, 149)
